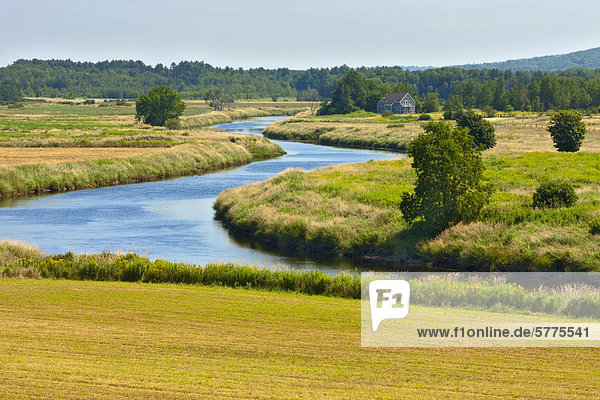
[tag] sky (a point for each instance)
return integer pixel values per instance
(296, 34)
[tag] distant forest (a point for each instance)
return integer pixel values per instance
(521, 90)
(588, 59)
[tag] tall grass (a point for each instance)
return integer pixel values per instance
(19, 260)
(352, 210)
(180, 160)
(221, 117)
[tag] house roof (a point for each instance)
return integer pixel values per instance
(391, 98)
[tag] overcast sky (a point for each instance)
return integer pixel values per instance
(296, 34)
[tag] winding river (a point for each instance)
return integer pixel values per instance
(169, 219)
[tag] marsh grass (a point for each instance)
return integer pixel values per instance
(20, 260)
(62, 138)
(518, 133)
(221, 117)
(22, 180)
(352, 210)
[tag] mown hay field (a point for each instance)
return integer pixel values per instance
(82, 339)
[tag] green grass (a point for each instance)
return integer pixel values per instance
(352, 210)
(69, 339)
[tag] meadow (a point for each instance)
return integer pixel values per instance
(82, 339)
(516, 132)
(353, 210)
(48, 146)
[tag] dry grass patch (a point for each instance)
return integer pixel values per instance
(12, 156)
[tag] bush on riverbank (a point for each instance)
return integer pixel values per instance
(353, 210)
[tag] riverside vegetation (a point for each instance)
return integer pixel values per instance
(353, 210)
(20, 260)
(65, 147)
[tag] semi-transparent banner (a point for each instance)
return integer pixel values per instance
(440, 309)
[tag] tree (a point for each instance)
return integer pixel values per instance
(449, 170)
(453, 107)
(9, 92)
(431, 103)
(482, 131)
(160, 104)
(218, 99)
(567, 130)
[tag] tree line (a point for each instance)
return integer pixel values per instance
(502, 90)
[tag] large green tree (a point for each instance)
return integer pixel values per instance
(449, 171)
(159, 105)
(481, 130)
(567, 130)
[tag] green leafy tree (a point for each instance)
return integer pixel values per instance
(449, 170)
(482, 131)
(159, 105)
(9, 92)
(431, 103)
(567, 130)
(453, 107)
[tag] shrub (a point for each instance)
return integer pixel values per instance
(554, 194)
(173, 124)
(595, 226)
(424, 117)
(15, 105)
(567, 130)
(482, 131)
(88, 102)
(387, 113)
(489, 111)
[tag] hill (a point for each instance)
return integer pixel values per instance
(586, 59)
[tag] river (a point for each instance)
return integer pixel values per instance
(170, 219)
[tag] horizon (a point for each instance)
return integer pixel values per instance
(410, 67)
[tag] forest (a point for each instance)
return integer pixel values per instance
(502, 90)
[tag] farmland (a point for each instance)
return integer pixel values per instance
(74, 339)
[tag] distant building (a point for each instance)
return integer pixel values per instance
(398, 103)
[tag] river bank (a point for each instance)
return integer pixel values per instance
(353, 211)
(55, 147)
(236, 114)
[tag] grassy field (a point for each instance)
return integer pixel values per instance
(49, 146)
(522, 132)
(353, 210)
(73, 339)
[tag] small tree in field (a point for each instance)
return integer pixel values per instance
(449, 169)
(567, 130)
(159, 105)
(482, 131)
